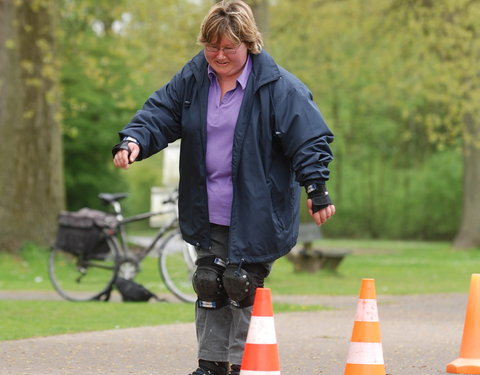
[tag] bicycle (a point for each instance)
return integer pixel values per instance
(91, 275)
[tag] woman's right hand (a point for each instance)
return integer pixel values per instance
(123, 158)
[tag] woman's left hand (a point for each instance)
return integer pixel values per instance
(321, 216)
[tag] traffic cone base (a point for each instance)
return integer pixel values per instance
(364, 369)
(464, 366)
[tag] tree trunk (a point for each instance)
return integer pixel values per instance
(31, 176)
(260, 12)
(469, 233)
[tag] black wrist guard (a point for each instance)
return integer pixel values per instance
(318, 193)
(123, 145)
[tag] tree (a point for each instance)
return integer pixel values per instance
(31, 177)
(95, 103)
(261, 14)
(365, 75)
(446, 33)
(114, 56)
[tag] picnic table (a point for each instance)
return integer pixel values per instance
(308, 258)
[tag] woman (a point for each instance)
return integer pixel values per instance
(250, 136)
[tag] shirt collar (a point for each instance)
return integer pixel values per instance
(242, 78)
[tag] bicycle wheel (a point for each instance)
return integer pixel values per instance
(177, 265)
(81, 277)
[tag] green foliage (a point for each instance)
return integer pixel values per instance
(394, 80)
(383, 89)
(443, 44)
(420, 202)
(113, 58)
(94, 78)
(90, 133)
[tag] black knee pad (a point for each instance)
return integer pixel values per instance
(241, 281)
(207, 283)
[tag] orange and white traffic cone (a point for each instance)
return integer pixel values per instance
(469, 360)
(365, 356)
(260, 356)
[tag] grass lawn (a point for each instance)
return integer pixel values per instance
(397, 267)
(24, 319)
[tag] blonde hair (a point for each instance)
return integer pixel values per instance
(234, 20)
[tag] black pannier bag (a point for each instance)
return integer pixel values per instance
(132, 291)
(81, 234)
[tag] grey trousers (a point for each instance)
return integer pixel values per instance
(221, 333)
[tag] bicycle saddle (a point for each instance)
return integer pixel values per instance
(108, 198)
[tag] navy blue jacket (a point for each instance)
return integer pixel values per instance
(280, 141)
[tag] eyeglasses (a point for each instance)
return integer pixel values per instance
(226, 50)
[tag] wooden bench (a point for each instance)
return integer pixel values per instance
(306, 258)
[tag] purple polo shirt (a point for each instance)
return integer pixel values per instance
(221, 120)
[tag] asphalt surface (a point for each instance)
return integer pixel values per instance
(420, 335)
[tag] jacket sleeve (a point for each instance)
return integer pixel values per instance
(159, 121)
(302, 131)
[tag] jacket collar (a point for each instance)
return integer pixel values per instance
(264, 68)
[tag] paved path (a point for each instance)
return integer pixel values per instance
(420, 335)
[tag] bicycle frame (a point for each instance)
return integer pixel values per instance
(169, 226)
